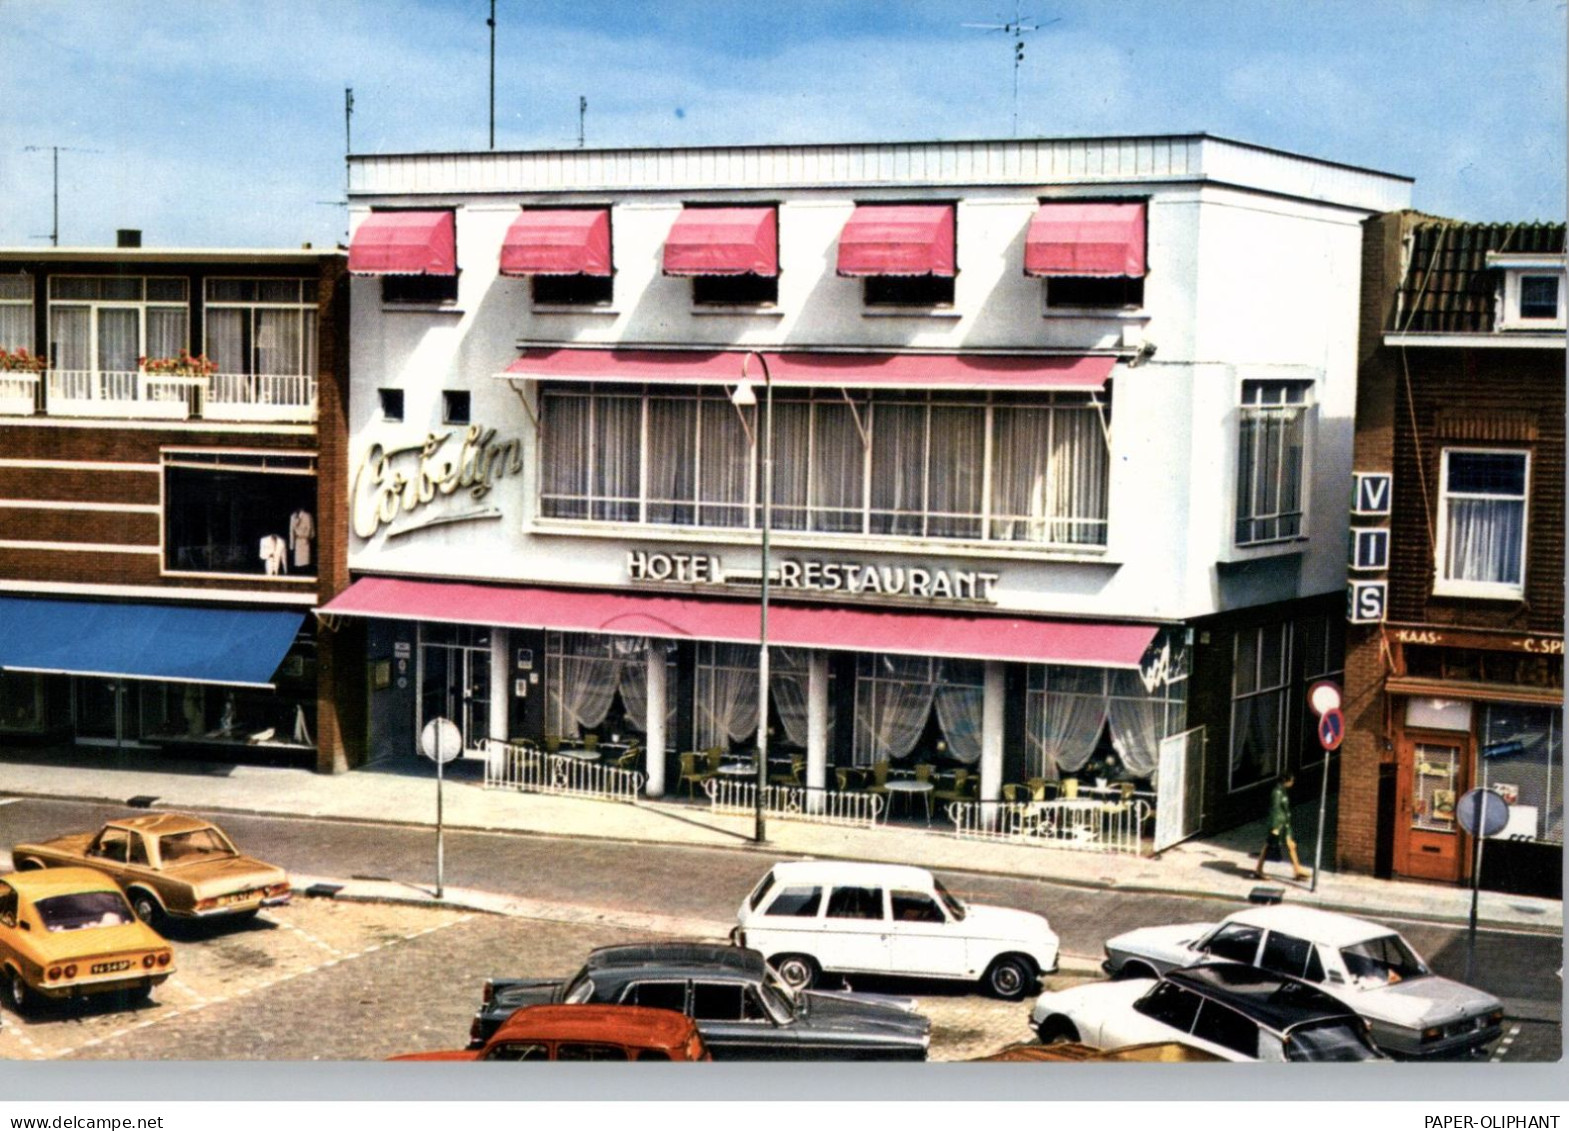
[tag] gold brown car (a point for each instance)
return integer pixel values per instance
(67, 932)
(168, 864)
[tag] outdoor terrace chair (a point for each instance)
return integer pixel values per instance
(879, 782)
(691, 774)
(961, 790)
(793, 776)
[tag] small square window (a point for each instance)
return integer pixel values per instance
(1115, 293)
(391, 404)
(1539, 296)
(909, 290)
(455, 407)
(573, 290)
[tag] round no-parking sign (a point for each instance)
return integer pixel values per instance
(1331, 728)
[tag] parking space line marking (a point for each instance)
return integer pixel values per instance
(1503, 1046)
(308, 937)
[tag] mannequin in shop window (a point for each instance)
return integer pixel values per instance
(302, 532)
(227, 721)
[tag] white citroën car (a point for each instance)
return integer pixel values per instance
(840, 917)
(1366, 966)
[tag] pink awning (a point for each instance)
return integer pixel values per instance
(558, 241)
(827, 370)
(840, 628)
(1071, 239)
(723, 241)
(898, 239)
(405, 243)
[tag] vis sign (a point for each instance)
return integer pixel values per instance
(1370, 549)
(1374, 493)
(1365, 601)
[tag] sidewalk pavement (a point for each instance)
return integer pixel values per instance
(1220, 866)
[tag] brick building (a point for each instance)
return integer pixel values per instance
(1454, 660)
(172, 430)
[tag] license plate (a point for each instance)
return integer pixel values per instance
(110, 967)
(238, 897)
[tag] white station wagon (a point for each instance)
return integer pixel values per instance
(812, 917)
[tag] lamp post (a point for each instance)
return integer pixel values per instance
(745, 396)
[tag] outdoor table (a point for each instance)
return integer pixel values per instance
(582, 754)
(909, 786)
(739, 770)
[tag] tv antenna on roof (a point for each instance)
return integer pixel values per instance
(54, 232)
(1016, 29)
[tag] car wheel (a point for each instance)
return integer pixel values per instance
(796, 971)
(17, 993)
(1056, 1030)
(1009, 977)
(147, 907)
(1132, 970)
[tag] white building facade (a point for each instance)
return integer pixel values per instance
(1060, 432)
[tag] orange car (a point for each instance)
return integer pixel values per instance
(585, 1032)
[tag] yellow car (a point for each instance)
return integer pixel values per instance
(66, 932)
(167, 864)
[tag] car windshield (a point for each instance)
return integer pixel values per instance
(1382, 961)
(84, 909)
(1330, 1040)
(190, 847)
(953, 903)
(579, 989)
(778, 998)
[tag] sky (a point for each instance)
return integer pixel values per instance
(220, 123)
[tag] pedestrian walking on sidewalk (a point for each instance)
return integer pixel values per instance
(1280, 831)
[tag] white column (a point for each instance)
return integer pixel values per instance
(991, 732)
(654, 766)
(500, 683)
(816, 729)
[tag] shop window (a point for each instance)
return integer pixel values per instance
(1099, 722)
(1271, 460)
(1522, 760)
(572, 290)
(455, 407)
(1260, 688)
(1000, 468)
(914, 708)
(1482, 523)
(1116, 293)
(1433, 788)
(909, 290)
(391, 404)
(239, 513)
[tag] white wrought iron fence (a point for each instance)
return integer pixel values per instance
(795, 802)
(1088, 826)
(260, 396)
(509, 765)
(18, 393)
(123, 393)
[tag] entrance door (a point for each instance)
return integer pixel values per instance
(455, 680)
(1428, 841)
(106, 712)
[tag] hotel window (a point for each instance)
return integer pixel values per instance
(735, 290)
(1094, 293)
(1482, 523)
(1271, 460)
(572, 290)
(16, 312)
(997, 468)
(455, 406)
(107, 323)
(228, 512)
(1069, 710)
(1260, 686)
(391, 404)
(909, 290)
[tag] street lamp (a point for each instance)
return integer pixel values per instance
(745, 396)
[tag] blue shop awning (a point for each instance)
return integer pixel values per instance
(192, 645)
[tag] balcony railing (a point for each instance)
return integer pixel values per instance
(133, 395)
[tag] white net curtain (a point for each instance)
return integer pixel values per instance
(1068, 708)
(583, 673)
(726, 693)
(895, 696)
